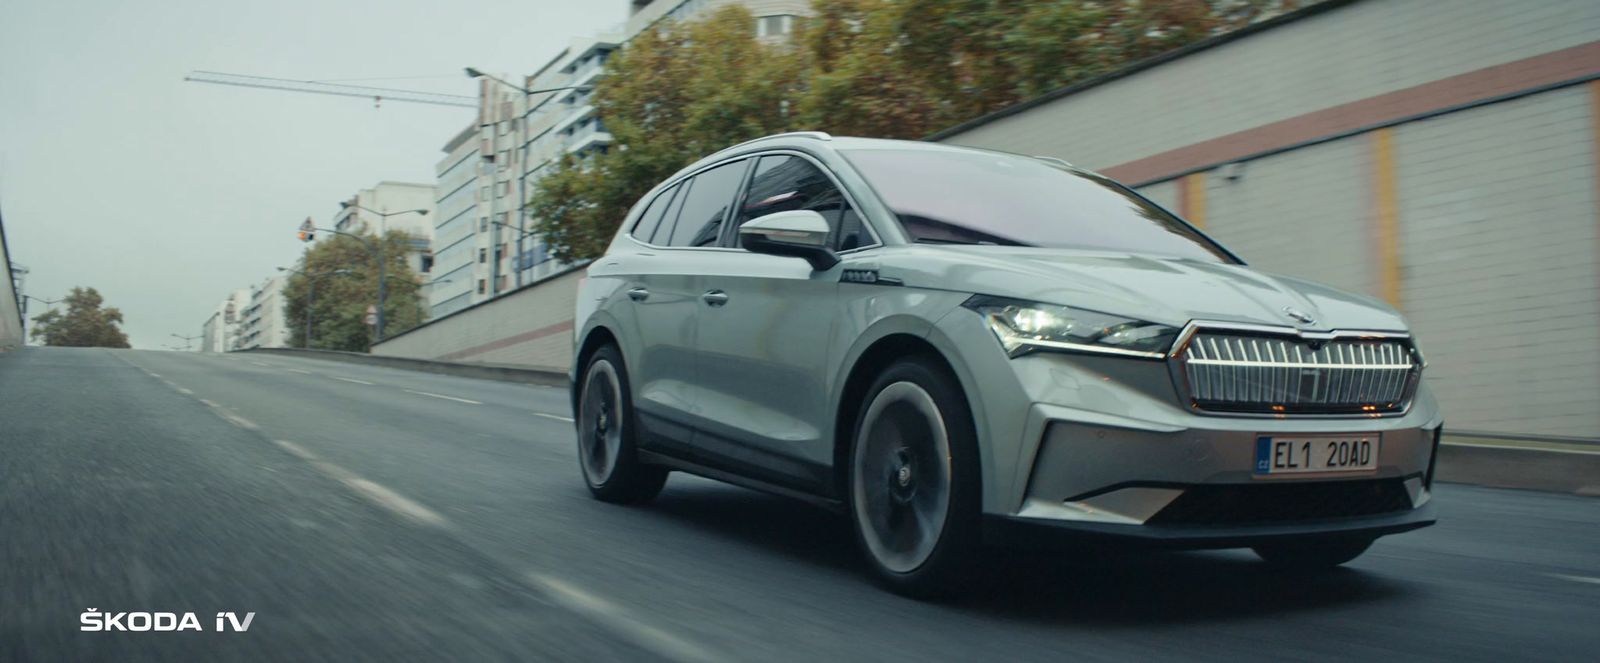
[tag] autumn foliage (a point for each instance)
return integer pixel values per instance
(876, 68)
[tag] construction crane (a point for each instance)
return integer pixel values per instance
(377, 94)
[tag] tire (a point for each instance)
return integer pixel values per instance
(607, 435)
(1313, 553)
(913, 486)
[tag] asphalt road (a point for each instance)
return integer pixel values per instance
(366, 513)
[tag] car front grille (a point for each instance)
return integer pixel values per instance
(1239, 372)
(1260, 503)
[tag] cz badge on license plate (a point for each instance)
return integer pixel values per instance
(1305, 454)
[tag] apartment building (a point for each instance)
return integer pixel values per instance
(220, 332)
(264, 323)
(519, 135)
(386, 206)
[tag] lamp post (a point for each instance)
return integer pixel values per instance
(374, 249)
(46, 302)
(494, 276)
(311, 295)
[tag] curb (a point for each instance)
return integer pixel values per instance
(1548, 470)
(482, 371)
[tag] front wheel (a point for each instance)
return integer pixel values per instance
(914, 481)
(607, 435)
(1312, 554)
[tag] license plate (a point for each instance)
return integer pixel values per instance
(1320, 453)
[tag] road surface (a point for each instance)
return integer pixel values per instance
(366, 513)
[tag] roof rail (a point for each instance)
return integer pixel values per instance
(819, 135)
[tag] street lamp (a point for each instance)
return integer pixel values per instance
(311, 295)
(188, 339)
(46, 302)
(374, 249)
(476, 73)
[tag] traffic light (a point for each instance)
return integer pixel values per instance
(308, 230)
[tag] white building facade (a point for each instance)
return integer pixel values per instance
(220, 333)
(517, 137)
(402, 206)
(263, 321)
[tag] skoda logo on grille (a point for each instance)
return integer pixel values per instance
(1298, 315)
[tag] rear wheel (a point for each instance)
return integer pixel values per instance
(914, 483)
(1313, 553)
(607, 435)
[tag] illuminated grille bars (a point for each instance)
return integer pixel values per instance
(1230, 372)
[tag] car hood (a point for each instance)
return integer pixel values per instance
(1154, 288)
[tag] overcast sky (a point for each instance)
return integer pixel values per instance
(167, 195)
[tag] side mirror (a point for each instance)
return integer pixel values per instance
(796, 233)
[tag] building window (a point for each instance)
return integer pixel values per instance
(483, 255)
(483, 224)
(504, 189)
(483, 286)
(774, 26)
(483, 193)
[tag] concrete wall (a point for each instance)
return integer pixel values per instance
(1498, 247)
(529, 328)
(1442, 160)
(10, 301)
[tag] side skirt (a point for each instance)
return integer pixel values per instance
(675, 463)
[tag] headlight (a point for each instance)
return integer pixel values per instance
(1027, 326)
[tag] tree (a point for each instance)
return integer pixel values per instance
(674, 95)
(339, 308)
(84, 325)
(876, 68)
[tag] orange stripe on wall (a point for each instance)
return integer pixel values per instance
(557, 328)
(1511, 77)
(1385, 217)
(1193, 194)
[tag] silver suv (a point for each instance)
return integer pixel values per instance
(956, 347)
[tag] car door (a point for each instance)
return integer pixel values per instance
(665, 301)
(764, 333)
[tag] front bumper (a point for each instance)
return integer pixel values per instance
(1100, 446)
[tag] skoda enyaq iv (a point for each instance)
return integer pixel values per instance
(956, 346)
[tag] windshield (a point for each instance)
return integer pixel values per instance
(976, 197)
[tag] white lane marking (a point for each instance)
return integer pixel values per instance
(372, 491)
(229, 416)
(350, 380)
(448, 398)
(185, 392)
(296, 370)
(620, 621)
(261, 364)
(1584, 452)
(295, 449)
(154, 375)
(237, 420)
(1583, 579)
(557, 417)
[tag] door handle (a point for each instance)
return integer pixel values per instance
(715, 297)
(638, 294)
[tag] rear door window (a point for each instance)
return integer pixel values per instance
(706, 205)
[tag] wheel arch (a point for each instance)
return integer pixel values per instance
(869, 361)
(598, 336)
